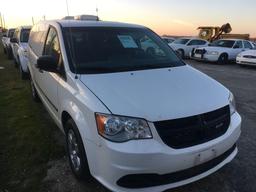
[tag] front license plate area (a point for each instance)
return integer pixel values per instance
(205, 156)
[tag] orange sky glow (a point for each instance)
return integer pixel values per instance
(170, 17)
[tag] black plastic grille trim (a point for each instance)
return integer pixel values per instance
(194, 130)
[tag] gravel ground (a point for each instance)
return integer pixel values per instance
(237, 176)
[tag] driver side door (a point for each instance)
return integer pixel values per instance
(48, 81)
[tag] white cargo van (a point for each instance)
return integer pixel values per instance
(135, 118)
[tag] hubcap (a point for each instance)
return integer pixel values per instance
(73, 150)
(33, 89)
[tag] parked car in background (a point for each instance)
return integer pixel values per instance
(136, 120)
(184, 46)
(6, 42)
(19, 44)
(168, 40)
(222, 51)
(254, 44)
(246, 58)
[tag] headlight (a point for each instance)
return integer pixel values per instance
(213, 53)
(121, 129)
(239, 55)
(232, 104)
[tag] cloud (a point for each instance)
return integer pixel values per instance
(184, 23)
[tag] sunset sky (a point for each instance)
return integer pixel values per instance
(172, 17)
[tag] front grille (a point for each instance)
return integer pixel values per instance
(136, 181)
(200, 51)
(249, 56)
(194, 130)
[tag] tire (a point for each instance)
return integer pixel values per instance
(181, 53)
(34, 92)
(24, 75)
(16, 63)
(9, 53)
(223, 59)
(5, 52)
(76, 152)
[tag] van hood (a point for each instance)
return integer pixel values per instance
(158, 94)
(24, 46)
(219, 49)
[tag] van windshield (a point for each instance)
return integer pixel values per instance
(223, 43)
(181, 41)
(114, 49)
(24, 35)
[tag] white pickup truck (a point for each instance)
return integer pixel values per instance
(19, 44)
(6, 42)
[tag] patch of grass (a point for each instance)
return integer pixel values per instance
(27, 133)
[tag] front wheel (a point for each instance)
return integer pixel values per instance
(76, 152)
(223, 59)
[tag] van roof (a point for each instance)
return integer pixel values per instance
(25, 27)
(84, 23)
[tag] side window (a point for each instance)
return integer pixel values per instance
(200, 42)
(197, 42)
(52, 45)
(238, 45)
(192, 42)
(15, 35)
(247, 45)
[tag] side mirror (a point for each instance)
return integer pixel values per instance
(47, 63)
(14, 40)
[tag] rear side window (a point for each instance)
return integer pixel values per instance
(11, 33)
(238, 45)
(247, 45)
(197, 42)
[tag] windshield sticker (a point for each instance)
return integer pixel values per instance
(127, 41)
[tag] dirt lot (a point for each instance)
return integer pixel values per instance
(32, 156)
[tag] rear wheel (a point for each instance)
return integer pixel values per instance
(76, 152)
(223, 59)
(24, 75)
(181, 53)
(4, 50)
(9, 53)
(34, 92)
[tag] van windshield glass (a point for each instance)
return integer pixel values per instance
(223, 43)
(24, 35)
(181, 41)
(114, 49)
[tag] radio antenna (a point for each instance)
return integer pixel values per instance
(67, 7)
(97, 11)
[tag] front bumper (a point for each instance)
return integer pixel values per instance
(152, 157)
(205, 57)
(245, 61)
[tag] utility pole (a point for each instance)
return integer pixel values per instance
(33, 21)
(4, 22)
(67, 7)
(97, 11)
(1, 21)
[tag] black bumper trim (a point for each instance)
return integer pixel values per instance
(134, 181)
